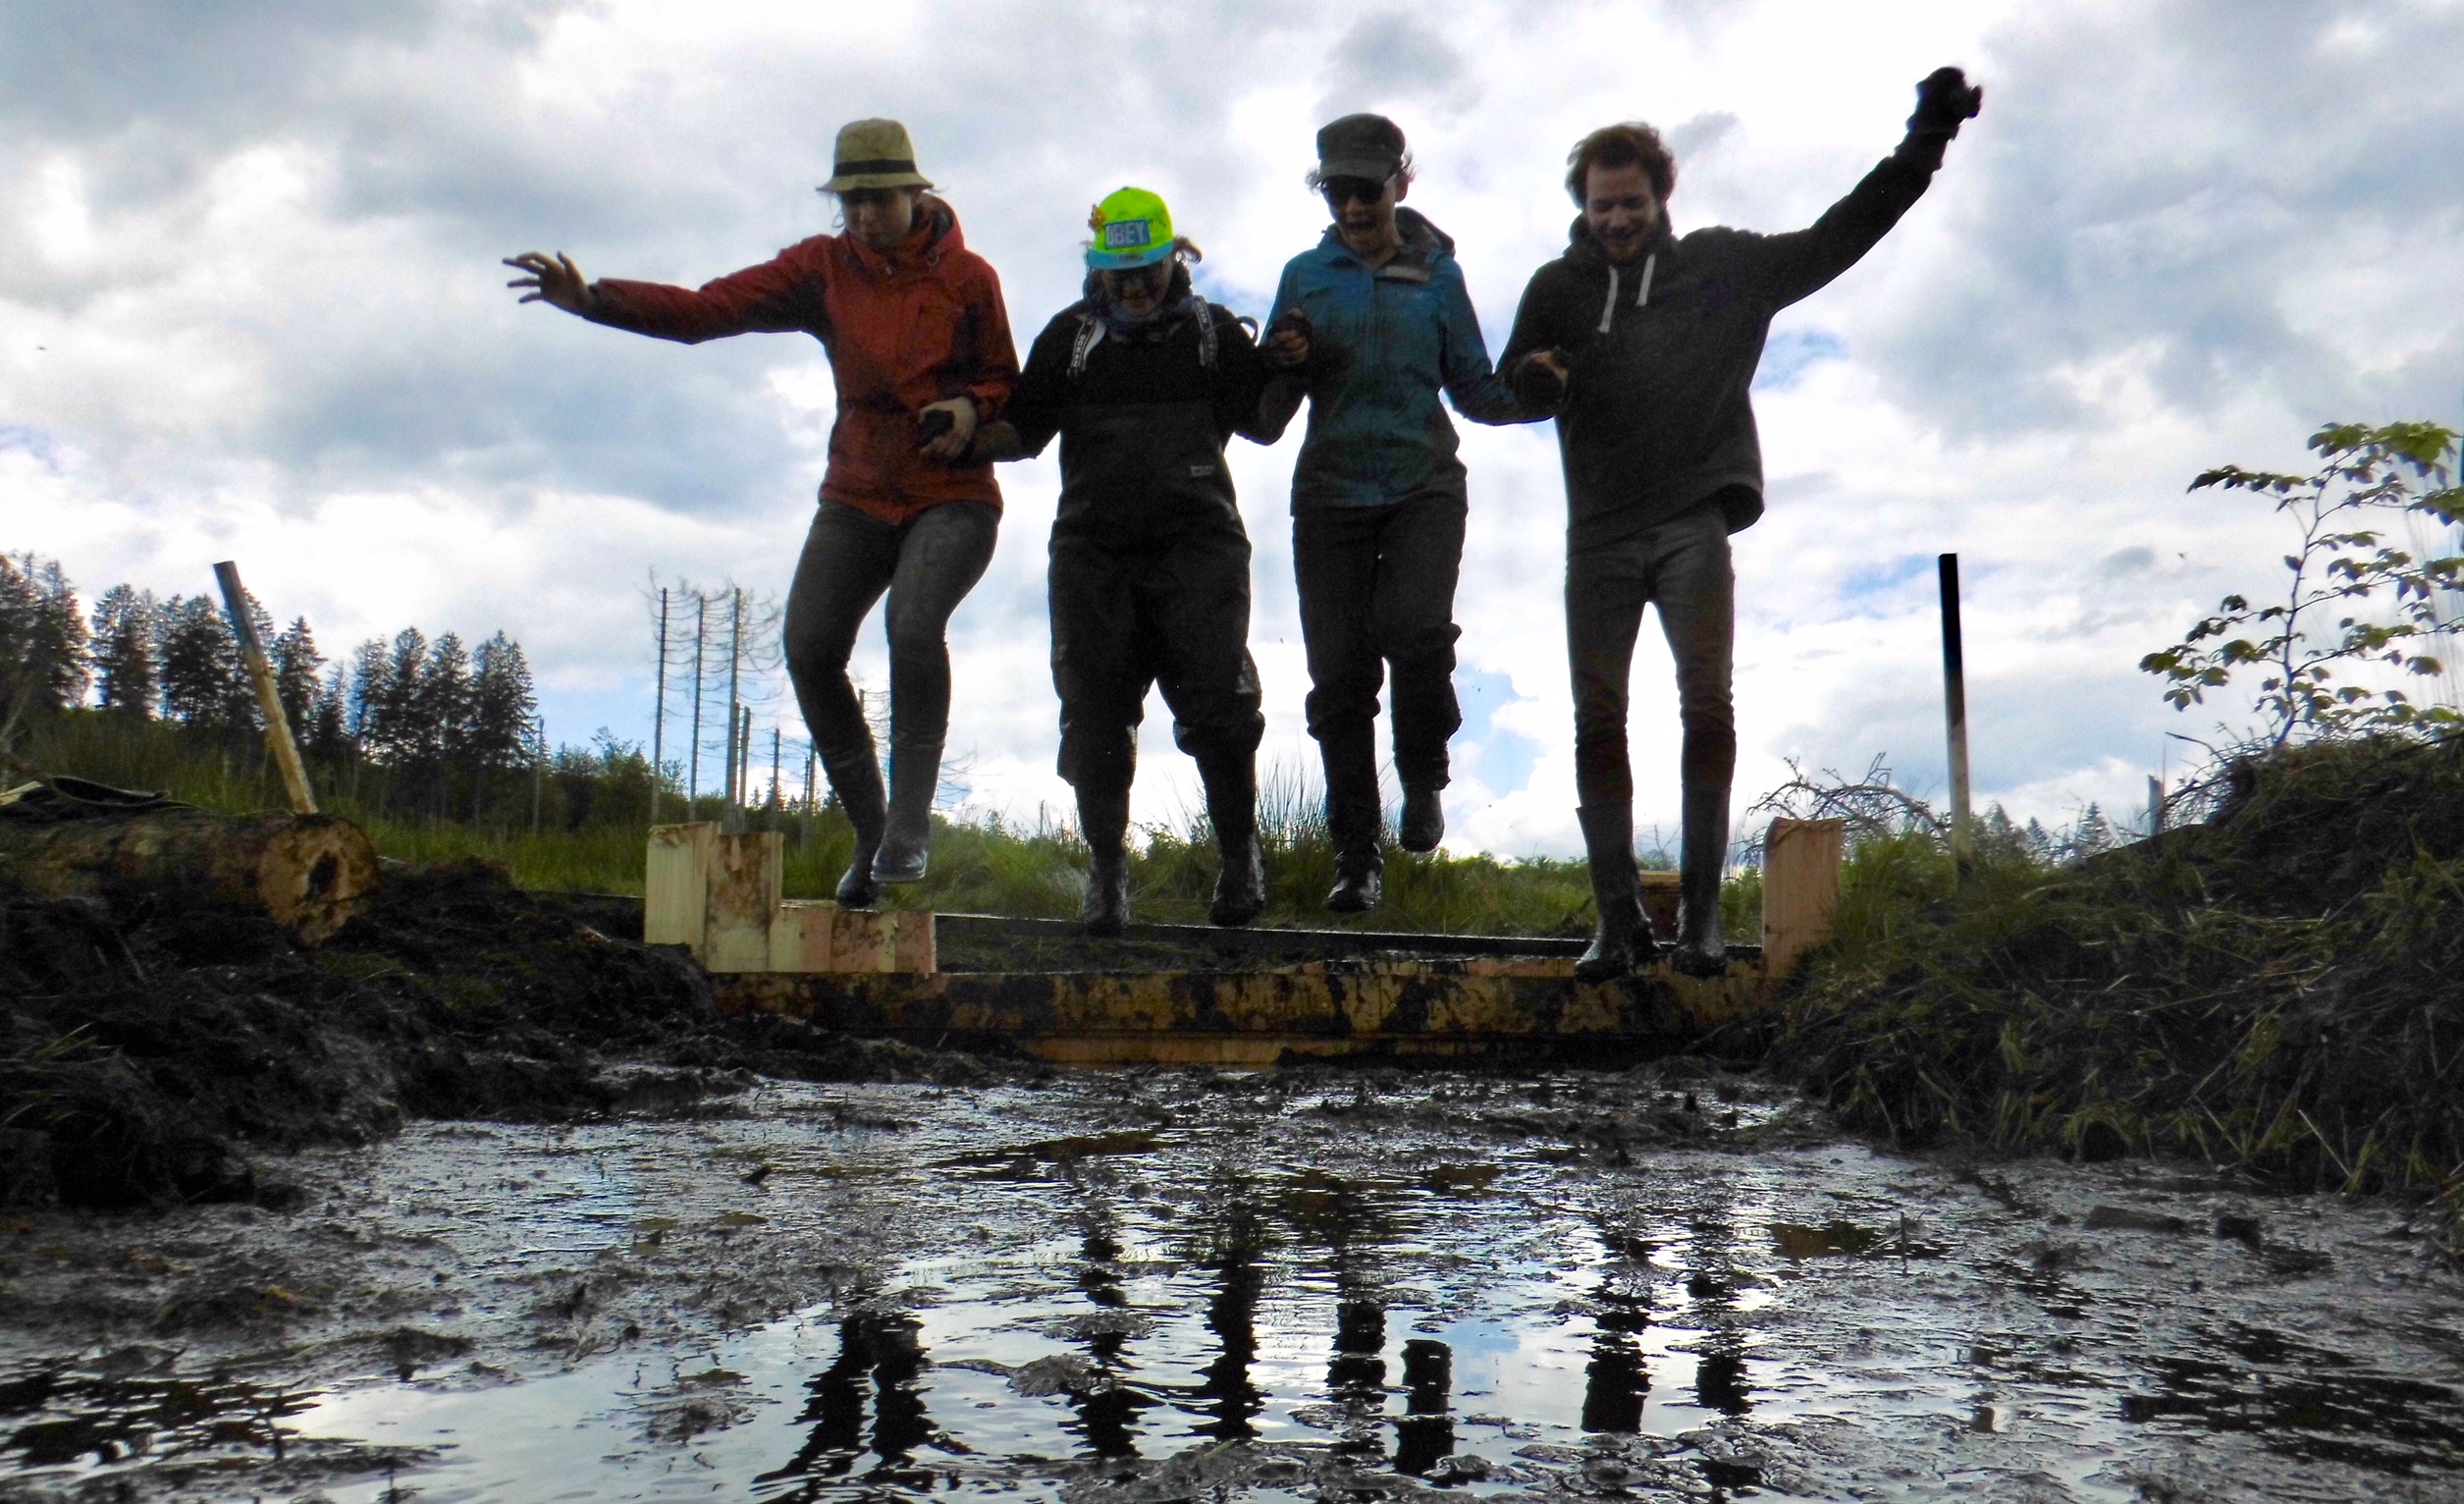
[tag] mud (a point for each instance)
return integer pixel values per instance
(151, 1048)
(1673, 1283)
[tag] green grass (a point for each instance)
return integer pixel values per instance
(979, 866)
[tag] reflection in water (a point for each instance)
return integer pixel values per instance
(1720, 1375)
(1108, 1412)
(1232, 1317)
(1426, 1431)
(1618, 1375)
(885, 1346)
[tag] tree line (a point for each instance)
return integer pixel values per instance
(441, 717)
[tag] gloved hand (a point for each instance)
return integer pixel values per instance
(1942, 102)
(1542, 379)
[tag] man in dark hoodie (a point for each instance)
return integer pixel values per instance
(1143, 380)
(1378, 496)
(1646, 344)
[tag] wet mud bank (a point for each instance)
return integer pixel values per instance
(1670, 1283)
(155, 1048)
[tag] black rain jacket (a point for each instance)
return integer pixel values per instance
(1142, 415)
(1658, 418)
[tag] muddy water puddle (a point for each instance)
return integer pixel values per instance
(1165, 1286)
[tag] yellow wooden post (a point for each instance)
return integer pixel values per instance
(1801, 861)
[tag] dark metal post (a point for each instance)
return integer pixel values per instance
(1955, 702)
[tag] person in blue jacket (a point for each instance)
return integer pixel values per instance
(1377, 494)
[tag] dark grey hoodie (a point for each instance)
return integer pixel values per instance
(1658, 418)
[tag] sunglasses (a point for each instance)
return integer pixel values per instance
(852, 197)
(1343, 190)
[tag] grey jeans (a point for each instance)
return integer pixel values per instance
(1681, 566)
(926, 565)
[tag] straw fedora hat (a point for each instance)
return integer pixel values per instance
(874, 154)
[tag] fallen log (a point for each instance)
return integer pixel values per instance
(311, 874)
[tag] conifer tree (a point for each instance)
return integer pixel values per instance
(204, 683)
(126, 668)
(503, 703)
(296, 662)
(42, 636)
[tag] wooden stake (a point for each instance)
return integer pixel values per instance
(269, 697)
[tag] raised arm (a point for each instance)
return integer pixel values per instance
(1794, 265)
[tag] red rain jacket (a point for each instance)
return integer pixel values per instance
(902, 331)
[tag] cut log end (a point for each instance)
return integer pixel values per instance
(317, 876)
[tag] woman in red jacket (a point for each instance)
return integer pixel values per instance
(919, 345)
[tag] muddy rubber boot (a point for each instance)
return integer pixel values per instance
(1103, 818)
(1232, 807)
(915, 775)
(1359, 881)
(1624, 938)
(1423, 823)
(857, 780)
(1701, 938)
(1353, 824)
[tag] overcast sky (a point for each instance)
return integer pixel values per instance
(251, 308)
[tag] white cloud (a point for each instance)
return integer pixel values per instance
(250, 307)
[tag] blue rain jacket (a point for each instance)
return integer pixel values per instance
(1382, 343)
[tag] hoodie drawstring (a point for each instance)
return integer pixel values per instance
(1643, 291)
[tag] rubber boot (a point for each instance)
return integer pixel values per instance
(1701, 939)
(1232, 807)
(1625, 934)
(857, 780)
(1353, 824)
(1423, 823)
(1104, 819)
(915, 775)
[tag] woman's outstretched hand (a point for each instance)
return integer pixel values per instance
(557, 281)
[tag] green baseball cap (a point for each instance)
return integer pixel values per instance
(1132, 228)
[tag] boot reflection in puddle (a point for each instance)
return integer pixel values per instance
(1426, 1432)
(1107, 1414)
(886, 1346)
(1357, 1376)
(1720, 1375)
(1618, 1379)
(1232, 1315)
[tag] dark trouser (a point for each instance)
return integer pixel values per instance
(926, 565)
(1171, 613)
(1682, 565)
(1377, 591)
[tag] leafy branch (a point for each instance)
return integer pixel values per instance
(2342, 562)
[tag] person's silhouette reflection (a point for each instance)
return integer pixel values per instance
(1619, 1376)
(884, 1346)
(1232, 1315)
(1107, 1416)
